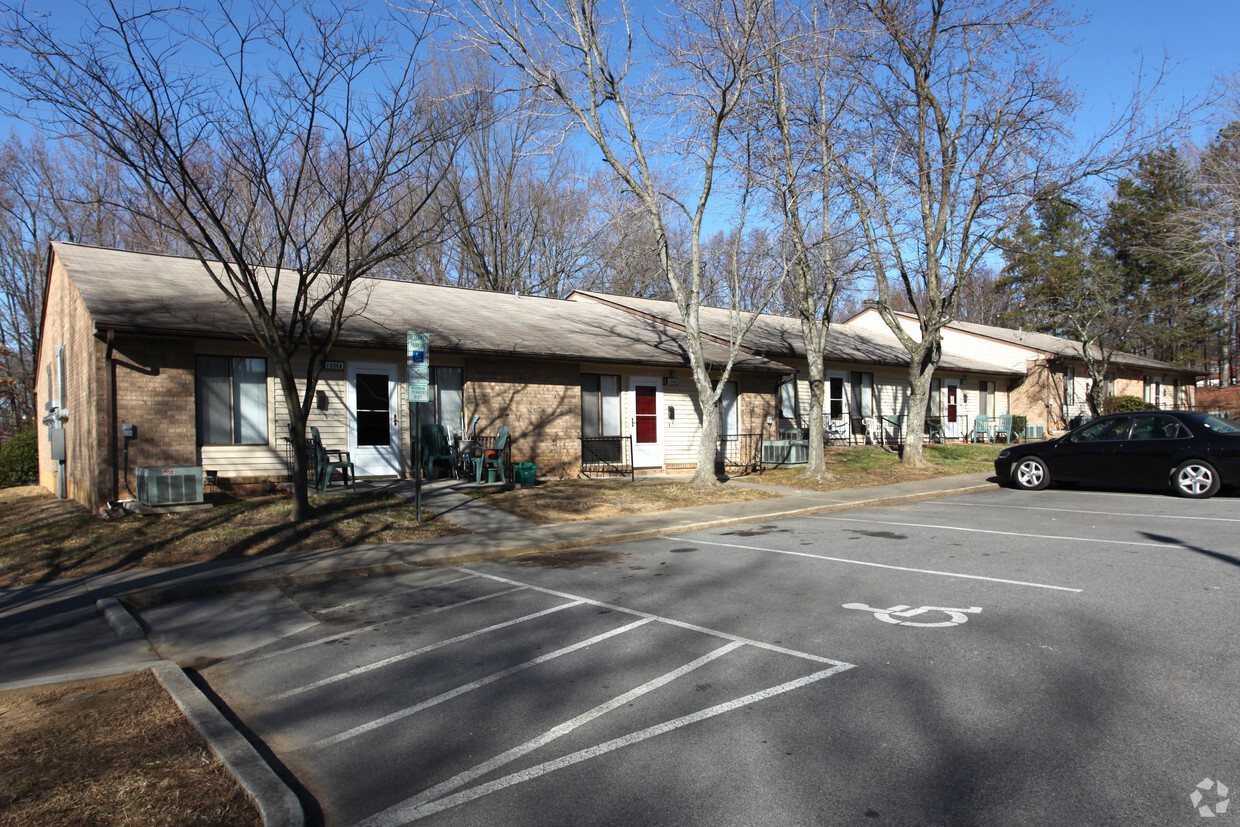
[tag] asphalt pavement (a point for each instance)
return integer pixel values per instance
(82, 628)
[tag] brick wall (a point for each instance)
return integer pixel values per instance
(540, 402)
(155, 392)
(67, 324)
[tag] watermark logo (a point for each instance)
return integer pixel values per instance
(1210, 798)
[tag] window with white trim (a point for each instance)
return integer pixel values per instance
(231, 400)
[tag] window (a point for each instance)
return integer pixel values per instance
(1108, 384)
(1069, 386)
(728, 419)
(600, 404)
(788, 398)
(447, 396)
(231, 393)
(934, 407)
(862, 393)
(835, 401)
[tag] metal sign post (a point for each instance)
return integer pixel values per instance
(418, 381)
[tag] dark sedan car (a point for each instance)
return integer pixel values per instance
(1193, 452)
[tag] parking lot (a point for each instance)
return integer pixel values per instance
(1064, 657)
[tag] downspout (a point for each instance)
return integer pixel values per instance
(112, 414)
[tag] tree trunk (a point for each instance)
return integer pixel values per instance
(922, 362)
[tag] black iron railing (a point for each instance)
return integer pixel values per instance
(739, 453)
(607, 456)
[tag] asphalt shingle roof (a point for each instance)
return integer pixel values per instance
(779, 337)
(168, 295)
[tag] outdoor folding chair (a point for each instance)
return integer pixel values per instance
(435, 448)
(981, 428)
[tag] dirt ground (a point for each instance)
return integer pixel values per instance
(565, 501)
(113, 751)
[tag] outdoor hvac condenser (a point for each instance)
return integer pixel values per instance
(169, 484)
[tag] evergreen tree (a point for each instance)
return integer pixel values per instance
(1156, 262)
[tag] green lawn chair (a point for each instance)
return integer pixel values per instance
(435, 448)
(492, 456)
(327, 462)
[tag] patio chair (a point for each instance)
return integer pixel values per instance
(492, 457)
(325, 465)
(1004, 426)
(981, 428)
(891, 430)
(435, 447)
(873, 433)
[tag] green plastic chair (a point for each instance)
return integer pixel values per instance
(492, 457)
(435, 447)
(325, 465)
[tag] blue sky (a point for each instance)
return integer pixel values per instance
(1201, 36)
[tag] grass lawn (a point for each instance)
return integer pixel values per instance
(43, 538)
(862, 467)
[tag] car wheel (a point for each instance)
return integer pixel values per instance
(1031, 474)
(1195, 479)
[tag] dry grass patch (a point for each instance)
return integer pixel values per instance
(113, 751)
(859, 467)
(44, 538)
(570, 500)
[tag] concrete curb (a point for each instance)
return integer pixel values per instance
(118, 617)
(509, 545)
(276, 803)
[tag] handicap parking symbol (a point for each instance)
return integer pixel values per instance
(899, 615)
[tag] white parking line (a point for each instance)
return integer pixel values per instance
(873, 565)
(320, 641)
(770, 647)
(1002, 533)
(478, 684)
(379, 664)
(410, 810)
(1194, 518)
(340, 607)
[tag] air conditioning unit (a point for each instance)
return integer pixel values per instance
(785, 452)
(160, 485)
(1034, 430)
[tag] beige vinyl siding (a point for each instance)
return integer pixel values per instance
(681, 436)
(988, 350)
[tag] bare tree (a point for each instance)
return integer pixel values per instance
(961, 124)
(280, 168)
(791, 129)
(572, 56)
(50, 191)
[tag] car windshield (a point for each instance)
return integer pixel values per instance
(1214, 424)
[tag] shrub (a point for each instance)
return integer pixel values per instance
(1018, 425)
(19, 459)
(1123, 404)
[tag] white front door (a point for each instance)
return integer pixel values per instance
(951, 408)
(374, 420)
(647, 429)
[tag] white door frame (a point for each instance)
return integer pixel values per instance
(373, 460)
(951, 430)
(650, 454)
